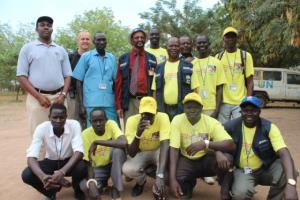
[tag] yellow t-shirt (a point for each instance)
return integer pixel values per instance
(160, 54)
(235, 90)
(171, 83)
(210, 74)
(183, 134)
(248, 134)
(102, 154)
(151, 137)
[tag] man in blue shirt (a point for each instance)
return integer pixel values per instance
(96, 73)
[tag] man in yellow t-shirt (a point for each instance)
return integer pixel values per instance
(147, 134)
(160, 53)
(261, 156)
(211, 77)
(104, 154)
(238, 69)
(196, 145)
(173, 80)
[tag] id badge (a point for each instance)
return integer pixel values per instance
(247, 170)
(102, 86)
(151, 72)
(203, 93)
(233, 86)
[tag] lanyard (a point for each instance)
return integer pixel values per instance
(102, 69)
(58, 155)
(204, 77)
(231, 67)
(247, 151)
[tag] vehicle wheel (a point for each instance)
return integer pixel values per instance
(263, 99)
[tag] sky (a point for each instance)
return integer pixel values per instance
(14, 12)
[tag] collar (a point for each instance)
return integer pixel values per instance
(95, 53)
(135, 51)
(37, 42)
(66, 130)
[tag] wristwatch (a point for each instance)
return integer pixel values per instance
(206, 143)
(292, 181)
(160, 175)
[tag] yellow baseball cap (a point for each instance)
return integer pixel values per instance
(230, 30)
(192, 97)
(148, 104)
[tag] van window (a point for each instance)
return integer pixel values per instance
(293, 79)
(272, 75)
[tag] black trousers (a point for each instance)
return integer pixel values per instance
(78, 172)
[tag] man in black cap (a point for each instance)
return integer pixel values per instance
(44, 71)
(134, 75)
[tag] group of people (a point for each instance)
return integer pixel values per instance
(157, 112)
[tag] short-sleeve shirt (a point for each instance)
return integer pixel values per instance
(151, 137)
(248, 134)
(171, 83)
(183, 133)
(57, 148)
(102, 155)
(98, 74)
(210, 74)
(45, 65)
(160, 54)
(235, 90)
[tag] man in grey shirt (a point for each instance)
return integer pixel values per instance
(44, 71)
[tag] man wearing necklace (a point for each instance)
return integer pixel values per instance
(198, 146)
(238, 69)
(211, 77)
(64, 151)
(44, 71)
(261, 156)
(97, 70)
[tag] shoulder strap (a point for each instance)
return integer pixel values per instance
(220, 55)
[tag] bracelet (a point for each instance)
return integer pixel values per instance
(137, 137)
(64, 94)
(91, 180)
(206, 142)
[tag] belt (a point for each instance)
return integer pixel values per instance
(49, 92)
(138, 97)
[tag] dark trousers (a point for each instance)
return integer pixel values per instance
(78, 173)
(189, 170)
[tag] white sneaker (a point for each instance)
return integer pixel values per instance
(209, 180)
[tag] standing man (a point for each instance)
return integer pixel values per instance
(173, 80)
(64, 151)
(261, 156)
(238, 68)
(135, 74)
(211, 77)
(147, 134)
(96, 70)
(196, 145)
(104, 153)
(83, 42)
(44, 71)
(186, 47)
(160, 53)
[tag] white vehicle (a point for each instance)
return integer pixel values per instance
(276, 84)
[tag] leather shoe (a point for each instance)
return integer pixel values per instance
(137, 190)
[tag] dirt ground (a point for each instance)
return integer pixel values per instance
(15, 139)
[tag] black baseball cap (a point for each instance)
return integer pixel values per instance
(137, 30)
(44, 18)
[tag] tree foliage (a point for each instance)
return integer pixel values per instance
(269, 29)
(93, 21)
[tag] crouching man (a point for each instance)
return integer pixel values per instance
(148, 144)
(261, 156)
(196, 145)
(64, 151)
(104, 145)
